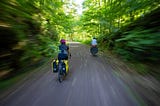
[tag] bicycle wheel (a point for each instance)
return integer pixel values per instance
(94, 50)
(60, 77)
(60, 72)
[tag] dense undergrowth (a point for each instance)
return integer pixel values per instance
(138, 43)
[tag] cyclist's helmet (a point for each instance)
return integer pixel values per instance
(62, 41)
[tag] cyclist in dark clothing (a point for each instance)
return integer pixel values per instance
(64, 50)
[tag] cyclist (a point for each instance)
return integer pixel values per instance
(94, 48)
(64, 53)
(64, 50)
(94, 42)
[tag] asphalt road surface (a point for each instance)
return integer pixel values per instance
(91, 82)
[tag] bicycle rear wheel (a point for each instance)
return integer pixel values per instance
(60, 72)
(94, 50)
(60, 77)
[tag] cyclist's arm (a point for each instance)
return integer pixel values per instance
(69, 54)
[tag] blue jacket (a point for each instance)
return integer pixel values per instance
(63, 48)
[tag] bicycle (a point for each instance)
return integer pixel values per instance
(94, 50)
(62, 70)
(61, 67)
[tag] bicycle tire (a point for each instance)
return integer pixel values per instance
(60, 72)
(94, 50)
(60, 79)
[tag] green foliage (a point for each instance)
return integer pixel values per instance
(128, 27)
(29, 31)
(139, 44)
(140, 40)
(141, 68)
(107, 17)
(47, 46)
(88, 42)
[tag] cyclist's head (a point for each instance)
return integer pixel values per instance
(94, 37)
(63, 41)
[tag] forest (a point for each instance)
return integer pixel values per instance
(31, 29)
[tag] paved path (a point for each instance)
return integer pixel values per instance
(90, 82)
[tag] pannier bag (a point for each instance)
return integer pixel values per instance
(55, 66)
